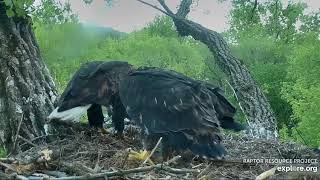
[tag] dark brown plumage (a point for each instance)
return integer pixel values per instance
(94, 85)
(187, 113)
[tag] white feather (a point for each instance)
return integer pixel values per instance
(73, 114)
(46, 129)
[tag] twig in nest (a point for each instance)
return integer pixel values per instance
(55, 173)
(27, 141)
(19, 177)
(8, 166)
(174, 159)
(267, 174)
(240, 105)
(9, 160)
(196, 166)
(38, 137)
(125, 159)
(129, 171)
(152, 152)
(97, 168)
(203, 171)
(17, 134)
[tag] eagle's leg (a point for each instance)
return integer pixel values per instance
(96, 118)
(118, 115)
(167, 150)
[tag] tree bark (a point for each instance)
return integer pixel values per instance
(260, 117)
(27, 91)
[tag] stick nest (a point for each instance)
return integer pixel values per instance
(77, 152)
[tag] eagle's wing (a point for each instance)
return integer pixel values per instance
(225, 110)
(223, 107)
(169, 103)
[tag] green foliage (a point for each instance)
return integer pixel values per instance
(3, 153)
(51, 12)
(66, 46)
(283, 21)
(283, 60)
(18, 8)
(311, 23)
(162, 26)
(271, 17)
(302, 89)
(143, 49)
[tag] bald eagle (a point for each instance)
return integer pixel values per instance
(185, 112)
(94, 85)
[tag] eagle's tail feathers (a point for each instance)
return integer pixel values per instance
(202, 143)
(211, 150)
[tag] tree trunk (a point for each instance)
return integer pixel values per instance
(260, 117)
(27, 91)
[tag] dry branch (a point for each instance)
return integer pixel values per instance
(129, 171)
(152, 152)
(267, 174)
(17, 134)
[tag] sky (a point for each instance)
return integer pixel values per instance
(130, 15)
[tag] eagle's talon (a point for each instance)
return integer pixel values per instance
(103, 131)
(119, 135)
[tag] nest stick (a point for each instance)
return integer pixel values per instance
(152, 152)
(129, 171)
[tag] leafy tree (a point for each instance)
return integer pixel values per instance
(302, 88)
(244, 16)
(148, 47)
(52, 12)
(311, 23)
(282, 59)
(16, 8)
(162, 26)
(271, 17)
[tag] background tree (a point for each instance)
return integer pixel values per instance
(272, 48)
(27, 90)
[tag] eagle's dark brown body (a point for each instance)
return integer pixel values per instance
(187, 113)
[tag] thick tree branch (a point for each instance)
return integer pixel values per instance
(184, 8)
(155, 7)
(163, 4)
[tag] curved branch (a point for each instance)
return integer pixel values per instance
(155, 7)
(184, 8)
(254, 8)
(163, 4)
